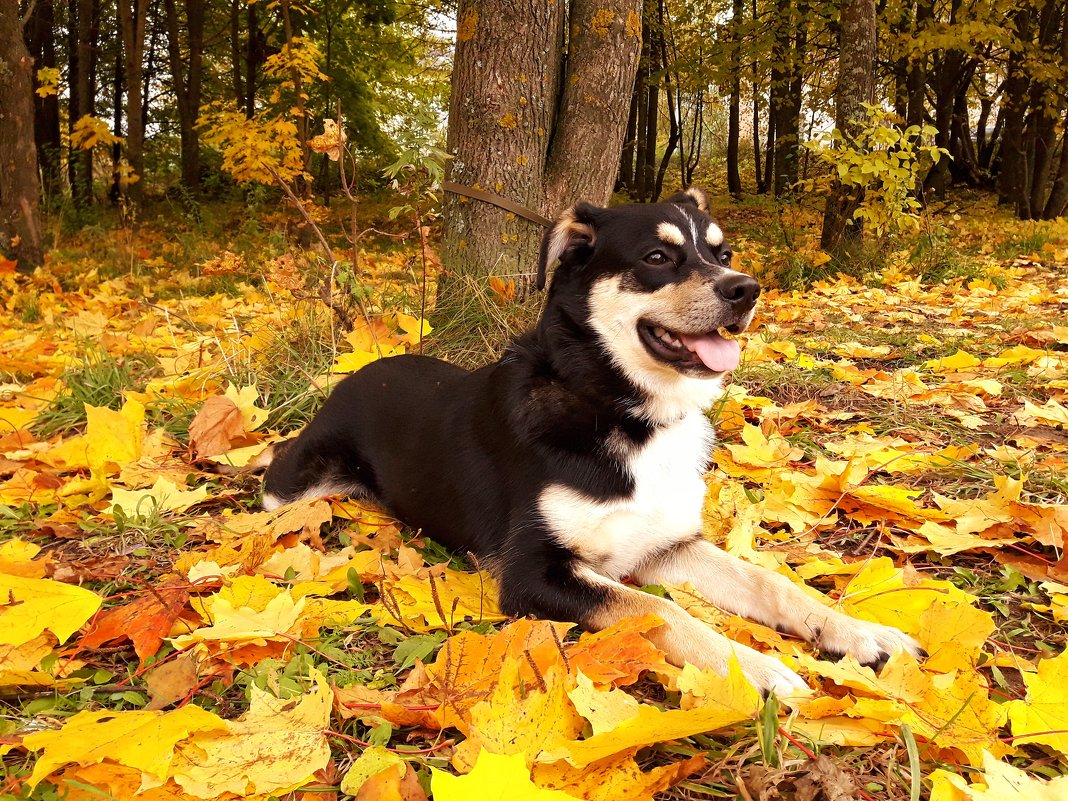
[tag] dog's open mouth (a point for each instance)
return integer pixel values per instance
(715, 351)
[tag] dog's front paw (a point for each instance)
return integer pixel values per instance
(871, 644)
(770, 676)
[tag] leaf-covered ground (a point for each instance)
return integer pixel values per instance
(896, 443)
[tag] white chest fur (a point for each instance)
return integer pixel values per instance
(614, 537)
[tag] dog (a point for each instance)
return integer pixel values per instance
(577, 459)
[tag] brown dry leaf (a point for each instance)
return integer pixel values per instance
(171, 681)
(218, 423)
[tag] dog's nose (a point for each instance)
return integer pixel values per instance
(738, 289)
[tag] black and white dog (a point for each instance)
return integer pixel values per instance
(577, 459)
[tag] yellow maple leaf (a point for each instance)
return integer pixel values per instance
(31, 606)
(615, 778)
(273, 748)
(370, 763)
(1046, 707)
(246, 625)
(1000, 782)
(135, 738)
(164, 496)
(112, 439)
(518, 719)
(16, 559)
(19, 664)
(245, 400)
(439, 602)
(494, 778)
(414, 329)
(961, 360)
(725, 700)
(1050, 413)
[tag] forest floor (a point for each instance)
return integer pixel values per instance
(896, 437)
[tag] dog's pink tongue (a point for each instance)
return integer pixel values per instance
(716, 352)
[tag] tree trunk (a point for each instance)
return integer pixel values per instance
(652, 119)
(118, 87)
(83, 94)
(1013, 164)
(734, 116)
(253, 58)
(674, 111)
(856, 86)
(132, 19)
(1057, 203)
(626, 162)
(791, 42)
(529, 125)
(20, 191)
(236, 58)
(41, 37)
(187, 82)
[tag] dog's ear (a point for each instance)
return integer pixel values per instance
(691, 197)
(571, 235)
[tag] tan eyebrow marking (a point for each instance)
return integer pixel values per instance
(670, 233)
(714, 236)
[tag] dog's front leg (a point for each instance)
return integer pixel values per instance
(595, 602)
(772, 599)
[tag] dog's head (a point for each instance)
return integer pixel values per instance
(654, 282)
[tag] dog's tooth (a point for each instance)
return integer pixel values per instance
(659, 331)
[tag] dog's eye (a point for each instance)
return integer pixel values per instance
(725, 257)
(657, 258)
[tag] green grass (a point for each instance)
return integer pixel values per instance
(290, 369)
(100, 380)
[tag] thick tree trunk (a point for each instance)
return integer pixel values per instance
(856, 86)
(186, 79)
(525, 125)
(132, 20)
(20, 191)
(41, 37)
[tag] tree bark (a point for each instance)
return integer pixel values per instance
(86, 29)
(186, 79)
(630, 140)
(20, 190)
(132, 19)
(790, 44)
(1012, 168)
(41, 36)
(527, 125)
(1057, 202)
(734, 115)
(856, 86)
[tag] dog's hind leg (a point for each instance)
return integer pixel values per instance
(580, 594)
(772, 599)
